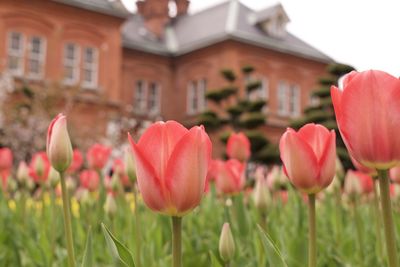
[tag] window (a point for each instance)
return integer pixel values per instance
(15, 53)
(261, 92)
(154, 99)
(36, 57)
(282, 99)
(140, 97)
(89, 67)
(294, 100)
(196, 101)
(71, 63)
(147, 98)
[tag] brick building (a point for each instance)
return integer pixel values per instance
(154, 64)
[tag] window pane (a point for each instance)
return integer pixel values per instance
(87, 75)
(89, 55)
(34, 66)
(13, 63)
(282, 99)
(70, 51)
(16, 41)
(140, 97)
(153, 104)
(36, 45)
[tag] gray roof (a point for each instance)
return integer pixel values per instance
(109, 7)
(230, 20)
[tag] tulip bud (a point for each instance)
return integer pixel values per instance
(54, 178)
(238, 147)
(261, 195)
(22, 173)
(226, 243)
(59, 148)
(110, 207)
(129, 164)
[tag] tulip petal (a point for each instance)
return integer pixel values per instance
(373, 133)
(158, 142)
(327, 161)
(299, 160)
(315, 135)
(149, 184)
(187, 169)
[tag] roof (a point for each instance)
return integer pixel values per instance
(108, 7)
(230, 20)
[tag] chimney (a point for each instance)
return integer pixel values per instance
(155, 14)
(182, 7)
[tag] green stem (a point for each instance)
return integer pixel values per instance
(388, 218)
(359, 230)
(338, 217)
(176, 241)
(67, 222)
(378, 221)
(137, 226)
(312, 248)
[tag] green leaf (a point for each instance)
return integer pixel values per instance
(274, 256)
(119, 252)
(214, 260)
(87, 260)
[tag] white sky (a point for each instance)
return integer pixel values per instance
(363, 33)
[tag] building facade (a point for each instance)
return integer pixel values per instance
(157, 63)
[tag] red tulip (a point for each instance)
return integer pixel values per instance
(97, 156)
(39, 167)
(309, 157)
(238, 147)
(231, 177)
(367, 112)
(77, 161)
(395, 174)
(89, 179)
(357, 183)
(171, 166)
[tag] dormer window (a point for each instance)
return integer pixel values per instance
(272, 21)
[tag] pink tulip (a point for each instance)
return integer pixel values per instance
(357, 183)
(367, 112)
(39, 167)
(6, 158)
(395, 174)
(89, 179)
(238, 147)
(231, 177)
(77, 161)
(309, 157)
(97, 156)
(171, 166)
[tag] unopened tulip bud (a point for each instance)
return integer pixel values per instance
(261, 195)
(110, 206)
(59, 148)
(54, 178)
(129, 164)
(114, 183)
(22, 173)
(226, 243)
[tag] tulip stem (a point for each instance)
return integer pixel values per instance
(358, 230)
(67, 222)
(137, 226)
(176, 241)
(312, 248)
(378, 221)
(387, 218)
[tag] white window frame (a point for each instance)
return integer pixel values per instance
(155, 98)
(282, 97)
(74, 64)
(16, 53)
(196, 91)
(39, 57)
(91, 66)
(140, 100)
(294, 100)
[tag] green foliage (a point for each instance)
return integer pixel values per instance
(87, 260)
(338, 70)
(215, 95)
(247, 69)
(235, 111)
(256, 106)
(327, 81)
(253, 85)
(272, 252)
(324, 91)
(252, 120)
(228, 91)
(229, 75)
(209, 120)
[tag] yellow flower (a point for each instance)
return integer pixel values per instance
(12, 205)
